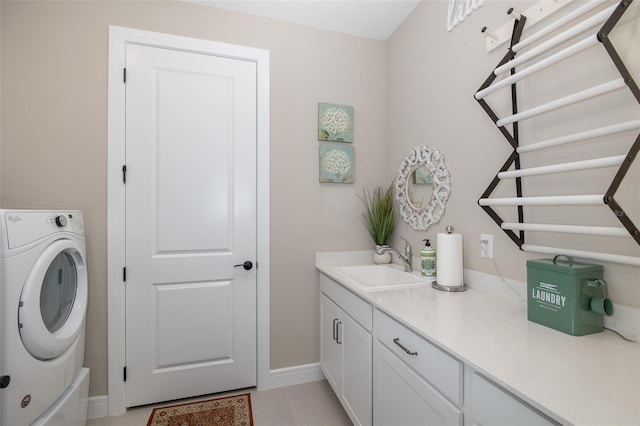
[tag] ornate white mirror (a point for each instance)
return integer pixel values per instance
(422, 187)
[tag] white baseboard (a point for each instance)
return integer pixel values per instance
(98, 407)
(295, 375)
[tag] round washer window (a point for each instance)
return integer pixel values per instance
(58, 291)
(53, 302)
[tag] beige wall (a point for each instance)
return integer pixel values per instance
(432, 77)
(54, 141)
(415, 89)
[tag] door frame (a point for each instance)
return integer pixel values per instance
(119, 38)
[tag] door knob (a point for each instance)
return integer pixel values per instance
(247, 265)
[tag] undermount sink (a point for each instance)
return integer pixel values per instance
(380, 277)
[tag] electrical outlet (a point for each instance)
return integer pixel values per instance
(486, 246)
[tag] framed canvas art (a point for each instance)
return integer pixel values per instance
(336, 164)
(335, 122)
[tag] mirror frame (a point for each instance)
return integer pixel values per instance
(423, 218)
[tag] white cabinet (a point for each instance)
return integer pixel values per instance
(356, 370)
(402, 397)
(345, 350)
(436, 366)
(489, 404)
(330, 349)
(414, 382)
(386, 374)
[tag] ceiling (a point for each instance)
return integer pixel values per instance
(373, 19)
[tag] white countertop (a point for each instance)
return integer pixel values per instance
(582, 380)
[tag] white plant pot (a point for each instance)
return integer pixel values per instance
(380, 259)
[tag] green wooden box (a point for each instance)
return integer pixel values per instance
(564, 295)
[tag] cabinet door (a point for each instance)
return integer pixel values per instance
(356, 370)
(330, 350)
(402, 397)
(491, 405)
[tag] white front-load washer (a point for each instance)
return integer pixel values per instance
(43, 304)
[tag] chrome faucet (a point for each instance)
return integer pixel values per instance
(406, 257)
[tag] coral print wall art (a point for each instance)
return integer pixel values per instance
(335, 122)
(336, 163)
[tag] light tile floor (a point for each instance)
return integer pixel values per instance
(307, 404)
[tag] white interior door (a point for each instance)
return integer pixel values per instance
(190, 217)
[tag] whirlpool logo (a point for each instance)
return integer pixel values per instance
(13, 218)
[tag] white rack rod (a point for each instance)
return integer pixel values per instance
(601, 89)
(557, 24)
(553, 200)
(560, 38)
(588, 134)
(607, 257)
(545, 63)
(536, 13)
(611, 231)
(564, 167)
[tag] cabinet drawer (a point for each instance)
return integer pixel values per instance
(443, 371)
(359, 310)
(402, 397)
(491, 405)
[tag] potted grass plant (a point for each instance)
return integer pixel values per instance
(379, 217)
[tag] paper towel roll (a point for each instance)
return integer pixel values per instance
(449, 267)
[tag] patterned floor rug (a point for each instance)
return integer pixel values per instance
(228, 411)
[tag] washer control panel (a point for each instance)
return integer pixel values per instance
(26, 226)
(61, 221)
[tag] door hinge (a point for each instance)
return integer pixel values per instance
(124, 173)
(124, 274)
(124, 75)
(124, 373)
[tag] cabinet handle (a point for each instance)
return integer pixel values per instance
(335, 329)
(338, 341)
(397, 342)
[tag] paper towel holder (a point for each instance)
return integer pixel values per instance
(452, 289)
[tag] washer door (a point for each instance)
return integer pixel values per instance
(53, 302)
